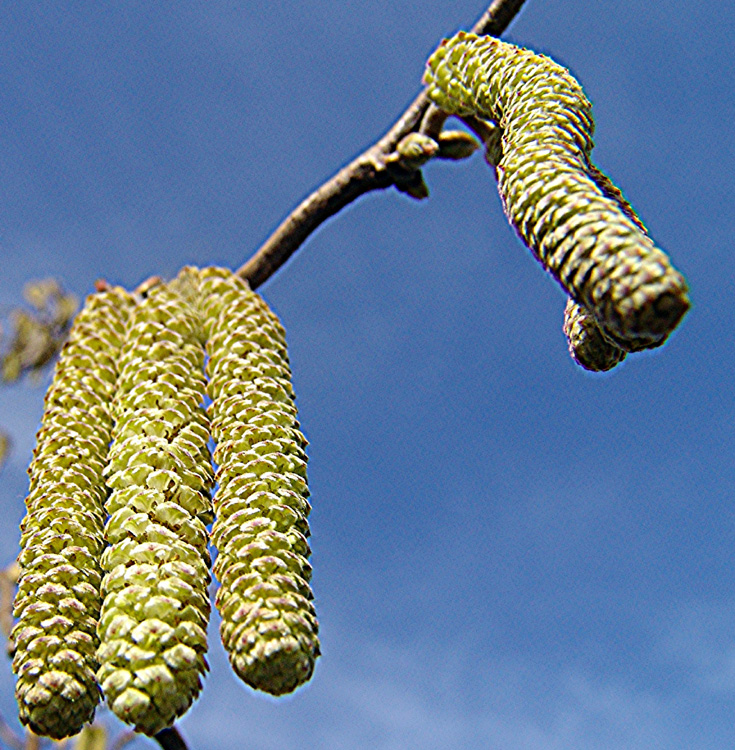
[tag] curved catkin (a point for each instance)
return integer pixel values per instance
(587, 344)
(58, 599)
(568, 213)
(269, 626)
(153, 622)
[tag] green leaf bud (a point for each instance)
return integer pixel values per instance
(414, 150)
(456, 145)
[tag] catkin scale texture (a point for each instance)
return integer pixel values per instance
(58, 598)
(269, 626)
(155, 610)
(587, 343)
(566, 212)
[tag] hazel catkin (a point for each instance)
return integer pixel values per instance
(155, 610)
(269, 627)
(58, 598)
(115, 563)
(588, 345)
(565, 212)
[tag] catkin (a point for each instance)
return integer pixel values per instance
(58, 598)
(566, 212)
(587, 343)
(269, 626)
(121, 605)
(155, 610)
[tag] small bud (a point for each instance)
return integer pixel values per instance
(414, 186)
(414, 150)
(456, 144)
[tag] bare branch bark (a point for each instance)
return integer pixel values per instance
(9, 737)
(365, 173)
(496, 19)
(170, 739)
(124, 739)
(8, 581)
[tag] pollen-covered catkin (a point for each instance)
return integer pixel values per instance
(269, 626)
(58, 599)
(588, 345)
(155, 609)
(560, 204)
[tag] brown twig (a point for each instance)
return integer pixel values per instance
(496, 19)
(9, 737)
(170, 739)
(365, 173)
(124, 739)
(8, 581)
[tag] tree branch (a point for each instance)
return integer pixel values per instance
(9, 737)
(365, 173)
(170, 739)
(496, 19)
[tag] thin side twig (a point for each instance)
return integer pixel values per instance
(170, 739)
(124, 739)
(496, 19)
(8, 581)
(364, 174)
(9, 737)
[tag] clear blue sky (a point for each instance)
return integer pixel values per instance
(509, 552)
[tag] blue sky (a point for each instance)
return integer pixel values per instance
(509, 552)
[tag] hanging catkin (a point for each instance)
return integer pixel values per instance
(154, 614)
(566, 212)
(269, 627)
(587, 343)
(58, 599)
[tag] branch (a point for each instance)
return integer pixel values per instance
(8, 581)
(124, 739)
(496, 19)
(170, 739)
(365, 173)
(9, 737)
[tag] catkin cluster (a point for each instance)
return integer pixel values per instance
(569, 214)
(269, 627)
(113, 594)
(58, 599)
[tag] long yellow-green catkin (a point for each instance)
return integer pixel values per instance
(58, 599)
(567, 213)
(588, 345)
(269, 626)
(153, 622)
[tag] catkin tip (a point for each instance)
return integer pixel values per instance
(588, 345)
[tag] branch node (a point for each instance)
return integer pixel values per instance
(369, 171)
